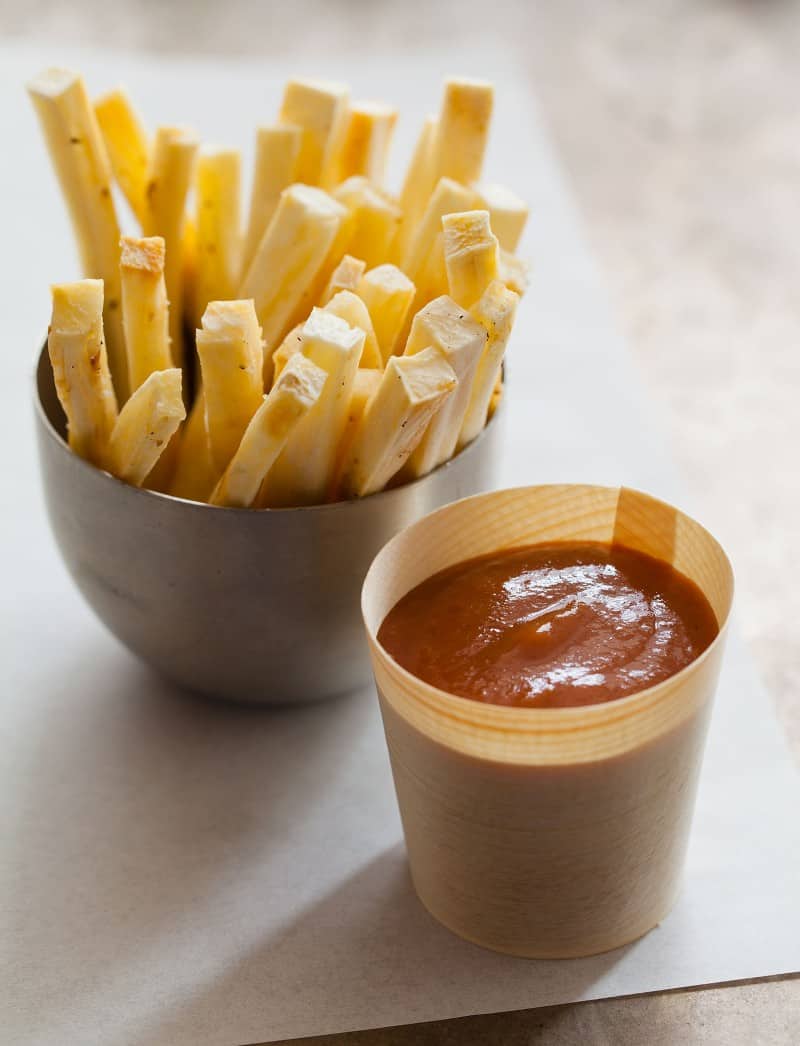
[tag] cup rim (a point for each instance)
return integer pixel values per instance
(497, 722)
(329, 506)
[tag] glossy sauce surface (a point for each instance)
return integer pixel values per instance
(550, 626)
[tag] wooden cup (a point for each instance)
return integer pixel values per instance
(544, 832)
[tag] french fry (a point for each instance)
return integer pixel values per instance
(513, 271)
(80, 367)
(426, 262)
(333, 258)
(375, 219)
(388, 294)
(320, 110)
(352, 309)
(508, 214)
(162, 474)
(417, 187)
(349, 307)
(169, 177)
(128, 147)
(81, 163)
(277, 150)
(366, 382)
(290, 346)
(145, 311)
(195, 475)
(471, 254)
(345, 277)
(447, 198)
(294, 393)
(292, 252)
(497, 395)
(305, 470)
(431, 280)
(189, 268)
(145, 426)
(445, 326)
(217, 187)
(412, 390)
(451, 146)
(495, 311)
(231, 361)
(364, 144)
(463, 130)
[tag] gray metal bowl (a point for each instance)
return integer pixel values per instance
(249, 606)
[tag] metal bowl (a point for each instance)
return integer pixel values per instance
(256, 606)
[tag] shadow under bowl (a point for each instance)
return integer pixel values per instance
(254, 606)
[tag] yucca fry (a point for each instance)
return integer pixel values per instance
(463, 130)
(497, 395)
(418, 180)
(431, 280)
(290, 346)
(417, 187)
(451, 145)
(336, 252)
(507, 212)
(376, 219)
(444, 325)
(352, 309)
(189, 268)
(81, 164)
(80, 367)
(471, 254)
(296, 390)
(145, 311)
(447, 198)
(145, 320)
(364, 143)
(145, 426)
(231, 362)
(431, 277)
(304, 472)
(319, 109)
(194, 476)
(293, 250)
(217, 190)
(412, 390)
(345, 277)
(388, 294)
(366, 382)
(495, 311)
(161, 476)
(277, 150)
(128, 147)
(169, 178)
(513, 271)
(349, 307)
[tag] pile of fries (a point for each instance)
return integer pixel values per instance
(345, 340)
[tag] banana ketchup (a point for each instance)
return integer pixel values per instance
(550, 626)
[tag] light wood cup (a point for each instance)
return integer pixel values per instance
(548, 833)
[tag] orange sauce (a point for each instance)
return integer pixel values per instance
(550, 626)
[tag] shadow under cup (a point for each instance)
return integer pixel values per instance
(548, 833)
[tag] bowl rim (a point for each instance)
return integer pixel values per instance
(328, 506)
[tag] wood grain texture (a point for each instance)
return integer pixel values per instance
(547, 833)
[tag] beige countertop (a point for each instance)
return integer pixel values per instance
(678, 128)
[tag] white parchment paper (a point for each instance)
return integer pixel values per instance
(178, 871)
